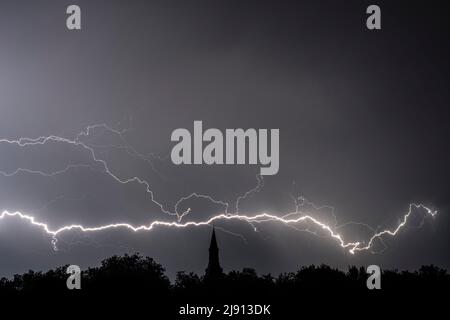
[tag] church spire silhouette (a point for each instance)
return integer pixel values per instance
(214, 270)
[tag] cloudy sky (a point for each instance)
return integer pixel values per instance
(363, 118)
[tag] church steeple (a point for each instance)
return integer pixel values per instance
(214, 269)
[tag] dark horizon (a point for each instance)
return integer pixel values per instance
(214, 270)
(130, 259)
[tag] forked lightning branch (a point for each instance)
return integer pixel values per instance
(212, 154)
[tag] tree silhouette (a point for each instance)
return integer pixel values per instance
(142, 281)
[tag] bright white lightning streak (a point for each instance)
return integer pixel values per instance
(25, 142)
(290, 219)
(352, 247)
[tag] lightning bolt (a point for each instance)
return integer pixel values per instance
(352, 247)
(292, 219)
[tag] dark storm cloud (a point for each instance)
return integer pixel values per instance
(363, 120)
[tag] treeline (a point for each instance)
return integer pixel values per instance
(131, 275)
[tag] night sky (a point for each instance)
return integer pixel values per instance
(363, 118)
